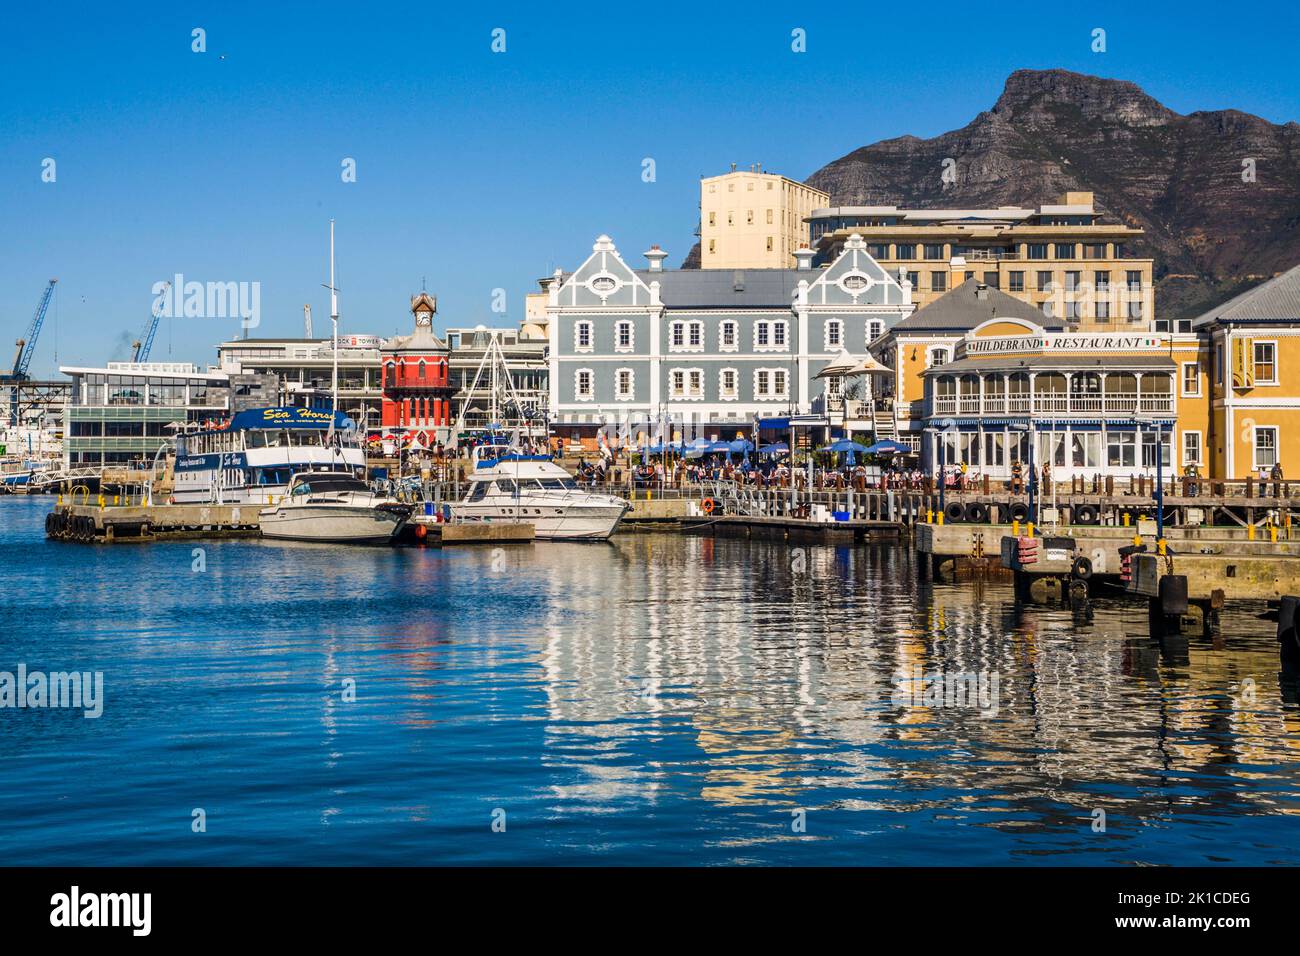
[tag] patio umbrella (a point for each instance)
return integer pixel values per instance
(775, 448)
(849, 449)
(887, 447)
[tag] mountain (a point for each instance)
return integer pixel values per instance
(1178, 177)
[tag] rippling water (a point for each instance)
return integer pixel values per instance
(659, 699)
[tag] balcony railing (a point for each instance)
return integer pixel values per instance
(1053, 403)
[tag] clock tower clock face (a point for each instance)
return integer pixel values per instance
(422, 319)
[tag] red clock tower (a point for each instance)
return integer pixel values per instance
(416, 384)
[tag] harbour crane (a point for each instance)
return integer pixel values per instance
(144, 344)
(27, 345)
(23, 353)
(306, 319)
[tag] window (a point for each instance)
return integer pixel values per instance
(686, 383)
(769, 243)
(1121, 449)
(1085, 449)
(1149, 440)
(1065, 250)
(1192, 448)
(713, 219)
(834, 334)
(875, 329)
(695, 334)
(1133, 278)
(1265, 359)
(1101, 280)
(422, 368)
(938, 356)
(938, 282)
(1037, 250)
(1045, 281)
(727, 336)
(1015, 282)
(914, 280)
(769, 383)
(1094, 250)
(713, 245)
(905, 250)
(1191, 380)
(878, 250)
(933, 251)
(1265, 446)
(623, 337)
(1218, 364)
(583, 388)
(728, 385)
(582, 337)
(623, 387)
(769, 217)
(1072, 281)
(991, 280)
(834, 387)
(749, 217)
(769, 335)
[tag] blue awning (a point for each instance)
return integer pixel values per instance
(288, 417)
(775, 424)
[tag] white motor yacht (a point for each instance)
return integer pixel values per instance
(336, 507)
(506, 485)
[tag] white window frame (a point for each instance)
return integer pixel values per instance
(631, 335)
(687, 331)
(883, 328)
(838, 325)
(723, 394)
(734, 326)
(577, 385)
(577, 336)
(684, 394)
(1182, 379)
(695, 336)
(772, 394)
(675, 329)
(630, 396)
(930, 352)
(1277, 372)
(1187, 459)
(1254, 445)
(769, 326)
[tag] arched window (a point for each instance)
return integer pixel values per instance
(421, 368)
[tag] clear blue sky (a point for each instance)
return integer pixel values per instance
(478, 170)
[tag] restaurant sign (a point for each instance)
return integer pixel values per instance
(1065, 342)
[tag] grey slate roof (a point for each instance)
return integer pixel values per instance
(1276, 300)
(960, 310)
(715, 288)
(1003, 363)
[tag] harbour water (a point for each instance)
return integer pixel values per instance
(656, 699)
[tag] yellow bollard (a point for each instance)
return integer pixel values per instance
(117, 499)
(1160, 547)
(1029, 529)
(59, 500)
(1272, 533)
(1137, 540)
(940, 517)
(1015, 529)
(1124, 519)
(1250, 532)
(929, 516)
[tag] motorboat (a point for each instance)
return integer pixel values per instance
(507, 485)
(333, 506)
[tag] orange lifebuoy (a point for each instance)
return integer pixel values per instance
(708, 504)
(421, 531)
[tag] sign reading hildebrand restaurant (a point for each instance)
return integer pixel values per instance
(1066, 342)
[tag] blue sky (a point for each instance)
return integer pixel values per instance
(476, 170)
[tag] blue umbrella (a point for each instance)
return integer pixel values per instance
(844, 445)
(888, 448)
(776, 448)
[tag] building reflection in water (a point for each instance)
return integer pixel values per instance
(780, 663)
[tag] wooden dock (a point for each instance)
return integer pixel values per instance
(89, 523)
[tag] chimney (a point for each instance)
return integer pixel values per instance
(982, 292)
(738, 281)
(656, 258)
(804, 256)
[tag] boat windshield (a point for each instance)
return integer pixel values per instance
(317, 484)
(553, 484)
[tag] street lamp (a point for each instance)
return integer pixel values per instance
(1142, 423)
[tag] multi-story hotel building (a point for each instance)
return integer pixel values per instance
(750, 219)
(707, 349)
(1063, 259)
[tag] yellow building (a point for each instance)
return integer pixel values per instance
(1252, 380)
(750, 219)
(1061, 258)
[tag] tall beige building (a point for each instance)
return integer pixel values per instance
(750, 219)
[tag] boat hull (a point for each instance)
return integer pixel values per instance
(333, 524)
(551, 523)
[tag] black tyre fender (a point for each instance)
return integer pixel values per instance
(1085, 514)
(976, 513)
(954, 511)
(1082, 567)
(1018, 511)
